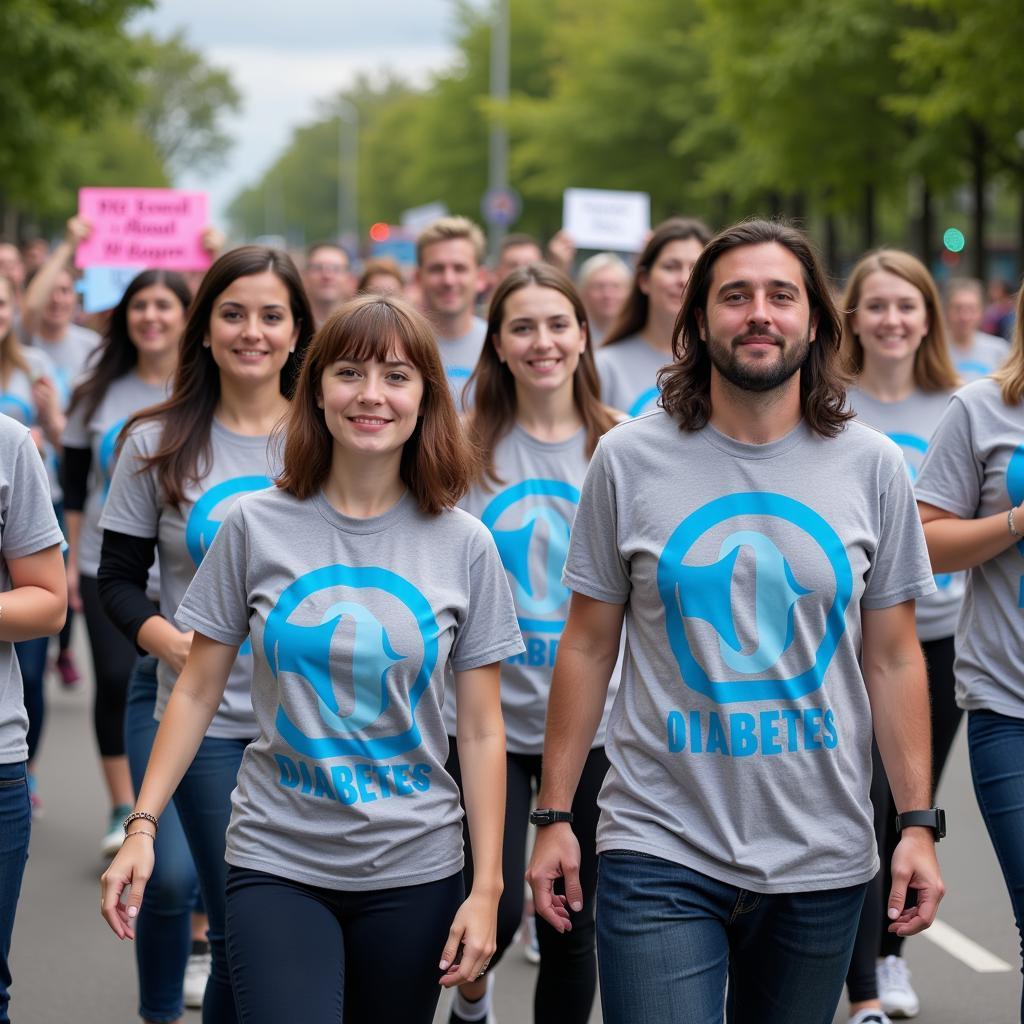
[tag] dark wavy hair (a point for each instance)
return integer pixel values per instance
(494, 387)
(686, 383)
(187, 416)
(116, 354)
(438, 460)
(633, 317)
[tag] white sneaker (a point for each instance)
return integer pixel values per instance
(531, 947)
(895, 992)
(869, 1016)
(111, 842)
(197, 971)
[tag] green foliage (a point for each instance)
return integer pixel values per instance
(181, 104)
(61, 62)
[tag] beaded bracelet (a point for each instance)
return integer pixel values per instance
(141, 832)
(139, 816)
(1014, 532)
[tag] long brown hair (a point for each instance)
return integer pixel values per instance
(116, 354)
(933, 368)
(494, 388)
(438, 460)
(633, 317)
(187, 416)
(11, 355)
(1010, 376)
(686, 383)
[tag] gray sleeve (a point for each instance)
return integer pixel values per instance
(29, 523)
(594, 565)
(76, 433)
(216, 603)
(489, 631)
(900, 569)
(132, 505)
(951, 474)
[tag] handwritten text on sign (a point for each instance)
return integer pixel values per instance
(151, 227)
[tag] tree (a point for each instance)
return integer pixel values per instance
(181, 104)
(61, 62)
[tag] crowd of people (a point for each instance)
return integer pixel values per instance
(690, 561)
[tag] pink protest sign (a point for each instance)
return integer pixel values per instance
(159, 228)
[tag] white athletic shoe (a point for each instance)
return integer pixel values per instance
(197, 972)
(869, 1016)
(111, 842)
(895, 992)
(531, 947)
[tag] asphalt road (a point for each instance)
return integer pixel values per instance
(68, 967)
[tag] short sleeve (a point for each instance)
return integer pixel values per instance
(132, 505)
(216, 603)
(29, 524)
(489, 631)
(900, 569)
(594, 566)
(76, 431)
(951, 475)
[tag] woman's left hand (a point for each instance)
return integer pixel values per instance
(475, 932)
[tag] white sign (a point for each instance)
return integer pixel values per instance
(419, 217)
(596, 218)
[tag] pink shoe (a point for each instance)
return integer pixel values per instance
(69, 674)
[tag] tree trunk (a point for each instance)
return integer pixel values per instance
(868, 215)
(927, 224)
(1020, 239)
(978, 148)
(798, 209)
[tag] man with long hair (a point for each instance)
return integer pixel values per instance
(765, 554)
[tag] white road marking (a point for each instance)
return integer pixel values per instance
(965, 950)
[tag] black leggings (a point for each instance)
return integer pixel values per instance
(873, 937)
(297, 951)
(567, 977)
(113, 658)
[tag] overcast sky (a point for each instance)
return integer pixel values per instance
(288, 56)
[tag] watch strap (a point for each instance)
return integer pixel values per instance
(933, 818)
(548, 816)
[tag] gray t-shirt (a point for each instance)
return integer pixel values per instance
(460, 356)
(135, 506)
(986, 354)
(740, 741)
(27, 526)
(975, 468)
(911, 424)
(16, 398)
(69, 356)
(629, 374)
(529, 516)
(125, 396)
(355, 624)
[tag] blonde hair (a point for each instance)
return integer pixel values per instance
(446, 229)
(1011, 376)
(933, 368)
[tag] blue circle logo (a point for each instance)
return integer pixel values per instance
(914, 449)
(769, 589)
(535, 518)
(353, 710)
(201, 527)
(18, 409)
(108, 448)
(1015, 483)
(644, 402)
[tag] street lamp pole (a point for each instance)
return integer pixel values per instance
(498, 149)
(348, 156)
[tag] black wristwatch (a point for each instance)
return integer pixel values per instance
(934, 818)
(546, 816)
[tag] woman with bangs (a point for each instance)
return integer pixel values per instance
(895, 346)
(537, 419)
(181, 465)
(971, 497)
(362, 589)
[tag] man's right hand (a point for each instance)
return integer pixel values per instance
(556, 854)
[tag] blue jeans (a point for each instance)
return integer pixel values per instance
(203, 802)
(163, 932)
(996, 744)
(32, 662)
(15, 825)
(668, 939)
